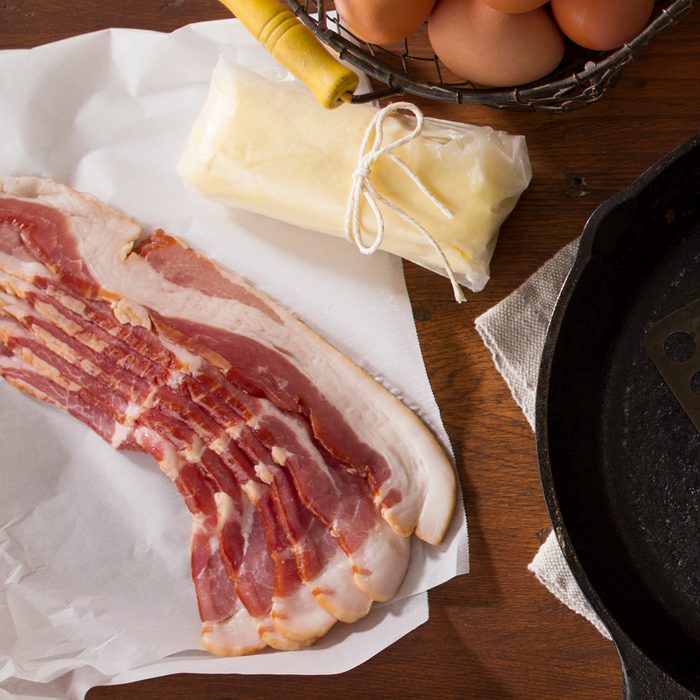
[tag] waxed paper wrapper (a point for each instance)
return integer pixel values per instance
(94, 543)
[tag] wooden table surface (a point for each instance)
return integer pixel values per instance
(495, 633)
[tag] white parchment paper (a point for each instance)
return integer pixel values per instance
(95, 584)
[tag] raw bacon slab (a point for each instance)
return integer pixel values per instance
(303, 474)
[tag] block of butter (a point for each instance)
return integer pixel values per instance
(268, 147)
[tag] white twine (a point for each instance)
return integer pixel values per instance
(362, 185)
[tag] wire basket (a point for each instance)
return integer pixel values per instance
(412, 68)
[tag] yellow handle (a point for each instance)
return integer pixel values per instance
(296, 48)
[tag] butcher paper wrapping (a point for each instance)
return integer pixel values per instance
(270, 148)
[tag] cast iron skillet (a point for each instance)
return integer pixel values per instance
(619, 456)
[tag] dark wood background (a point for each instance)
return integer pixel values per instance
(496, 633)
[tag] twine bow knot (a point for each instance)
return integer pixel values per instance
(371, 151)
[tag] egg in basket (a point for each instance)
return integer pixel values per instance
(538, 55)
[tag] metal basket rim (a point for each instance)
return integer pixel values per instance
(583, 86)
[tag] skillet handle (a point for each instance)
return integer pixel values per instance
(643, 680)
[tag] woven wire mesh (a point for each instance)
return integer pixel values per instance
(411, 68)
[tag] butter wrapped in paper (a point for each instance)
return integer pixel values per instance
(270, 148)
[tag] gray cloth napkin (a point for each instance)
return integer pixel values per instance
(515, 330)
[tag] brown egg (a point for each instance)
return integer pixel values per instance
(515, 6)
(492, 48)
(602, 24)
(383, 21)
